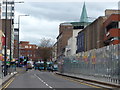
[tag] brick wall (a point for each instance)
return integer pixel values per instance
(65, 33)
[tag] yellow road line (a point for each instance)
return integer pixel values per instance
(17, 74)
(78, 81)
(8, 83)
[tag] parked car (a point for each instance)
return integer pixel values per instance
(39, 65)
(49, 66)
(55, 67)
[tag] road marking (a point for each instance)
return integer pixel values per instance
(7, 84)
(10, 82)
(46, 84)
(17, 74)
(43, 81)
(77, 81)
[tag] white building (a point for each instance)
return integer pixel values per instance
(71, 46)
(10, 9)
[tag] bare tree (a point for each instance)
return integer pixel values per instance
(45, 50)
(44, 42)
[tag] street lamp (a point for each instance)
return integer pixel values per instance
(18, 35)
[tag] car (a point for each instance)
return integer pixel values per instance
(55, 67)
(39, 65)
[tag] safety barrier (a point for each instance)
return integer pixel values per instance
(99, 64)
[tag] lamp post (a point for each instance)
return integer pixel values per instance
(18, 35)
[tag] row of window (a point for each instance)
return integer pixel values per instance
(26, 51)
(115, 38)
(31, 55)
(8, 2)
(31, 47)
(8, 14)
(112, 25)
(9, 8)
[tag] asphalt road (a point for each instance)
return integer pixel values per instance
(42, 79)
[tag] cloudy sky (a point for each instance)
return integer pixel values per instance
(46, 15)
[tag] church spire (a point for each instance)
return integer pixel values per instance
(84, 17)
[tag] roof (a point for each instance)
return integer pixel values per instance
(80, 23)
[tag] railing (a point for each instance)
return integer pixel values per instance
(99, 64)
(10, 69)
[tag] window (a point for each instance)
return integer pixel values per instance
(115, 38)
(112, 25)
(12, 8)
(3, 8)
(26, 46)
(3, 14)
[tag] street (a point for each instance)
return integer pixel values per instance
(44, 79)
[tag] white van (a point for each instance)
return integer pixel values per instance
(29, 65)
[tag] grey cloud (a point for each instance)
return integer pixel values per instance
(62, 11)
(45, 18)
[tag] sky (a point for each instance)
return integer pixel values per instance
(45, 16)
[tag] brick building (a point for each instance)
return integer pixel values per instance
(65, 32)
(15, 51)
(28, 50)
(112, 28)
(9, 23)
(2, 27)
(92, 36)
(10, 36)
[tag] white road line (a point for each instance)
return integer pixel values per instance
(46, 84)
(51, 87)
(43, 81)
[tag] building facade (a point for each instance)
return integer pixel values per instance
(54, 52)
(9, 24)
(112, 28)
(92, 36)
(28, 50)
(16, 42)
(10, 9)
(71, 45)
(65, 32)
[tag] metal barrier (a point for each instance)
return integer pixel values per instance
(99, 64)
(10, 70)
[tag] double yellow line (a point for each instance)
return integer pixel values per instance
(74, 80)
(7, 84)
